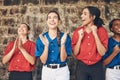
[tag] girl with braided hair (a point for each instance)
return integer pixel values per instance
(53, 48)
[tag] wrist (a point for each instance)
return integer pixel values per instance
(21, 48)
(62, 44)
(46, 45)
(94, 33)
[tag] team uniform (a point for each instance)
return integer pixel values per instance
(19, 67)
(113, 68)
(54, 69)
(89, 60)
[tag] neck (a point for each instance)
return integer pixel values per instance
(117, 37)
(23, 38)
(88, 27)
(52, 33)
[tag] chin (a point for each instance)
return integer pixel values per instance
(83, 24)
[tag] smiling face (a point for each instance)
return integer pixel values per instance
(23, 30)
(87, 18)
(53, 20)
(116, 27)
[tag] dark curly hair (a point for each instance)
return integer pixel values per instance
(111, 23)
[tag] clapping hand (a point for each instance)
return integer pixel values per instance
(19, 43)
(44, 40)
(15, 44)
(63, 39)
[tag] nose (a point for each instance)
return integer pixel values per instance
(81, 15)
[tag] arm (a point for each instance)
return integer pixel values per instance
(44, 55)
(28, 57)
(111, 57)
(76, 48)
(100, 47)
(63, 54)
(7, 57)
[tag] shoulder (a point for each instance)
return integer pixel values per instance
(61, 33)
(75, 32)
(31, 42)
(111, 39)
(11, 43)
(43, 34)
(77, 29)
(102, 29)
(46, 33)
